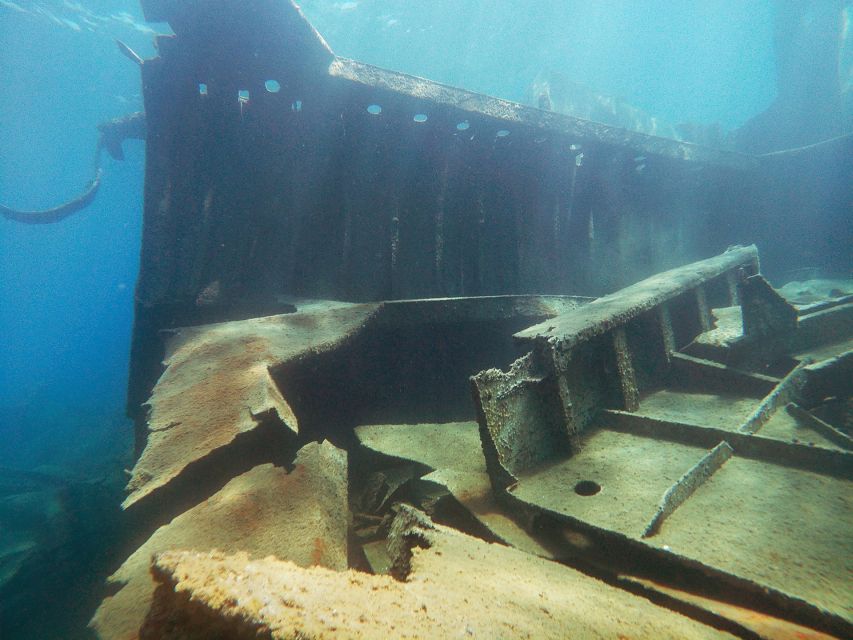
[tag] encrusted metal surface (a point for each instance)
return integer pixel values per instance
(617, 309)
(673, 453)
(601, 355)
(695, 477)
(229, 384)
(276, 169)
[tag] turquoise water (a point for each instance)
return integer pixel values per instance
(66, 290)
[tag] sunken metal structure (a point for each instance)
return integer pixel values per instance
(506, 317)
(357, 183)
(696, 455)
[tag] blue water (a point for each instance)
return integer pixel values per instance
(709, 61)
(66, 290)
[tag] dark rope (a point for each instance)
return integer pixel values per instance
(48, 216)
(113, 133)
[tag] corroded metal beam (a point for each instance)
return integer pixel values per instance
(601, 355)
(695, 477)
(529, 121)
(617, 309)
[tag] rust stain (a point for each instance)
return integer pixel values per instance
(248, 514)
(318, 552)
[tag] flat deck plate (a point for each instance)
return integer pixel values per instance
(632, 471)
(775, 525)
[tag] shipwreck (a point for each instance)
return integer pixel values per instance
(414, 361)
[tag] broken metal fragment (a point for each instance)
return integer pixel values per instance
(619, 308)
(453, 453)
(687, 484)
(638, 414)
(217, 402)
(217, 393)
(766, 314)
(453, 586)
(786, 391)
(299, 516)
(602, 355)
(522, 422)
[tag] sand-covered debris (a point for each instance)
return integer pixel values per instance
(455, 586)
(217, 385)
(300, 516)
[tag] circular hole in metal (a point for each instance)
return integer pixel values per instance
(374, 109)
(273, 86)
(587, 488)
(462, 126)
(420, 117)
(503, 133)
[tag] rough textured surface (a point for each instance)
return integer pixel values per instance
(781, 527)
(217, 383)
(451, 445)
(765, 313)
(454, 453)
(688, 484)
(613, 480)
(723, 411)
(786, 391)
(508, 113)
(728, 327)
(604, 355)
(300, 516)
(633, 472)
(456, 587)
(618, 308)
(522, 421)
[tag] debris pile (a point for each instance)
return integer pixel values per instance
(447, 585)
